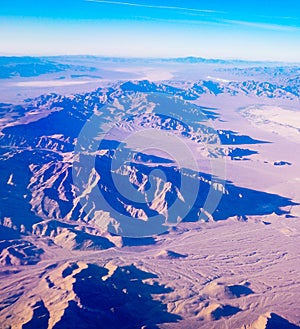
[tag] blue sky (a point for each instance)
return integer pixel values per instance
(255, 30)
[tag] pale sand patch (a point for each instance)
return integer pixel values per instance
(217, 79)
(52, 83)
(278, 120)
(152, 74)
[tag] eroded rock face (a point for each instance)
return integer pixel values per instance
(271, 320)
(89, 296)
(19, 252)
(72, 237)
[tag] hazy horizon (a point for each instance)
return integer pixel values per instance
(166, 59)
(156, 29)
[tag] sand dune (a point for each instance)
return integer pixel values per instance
(169, 254)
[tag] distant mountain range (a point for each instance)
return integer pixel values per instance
(290, 90)
(26, 66)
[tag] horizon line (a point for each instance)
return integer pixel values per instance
(153, 58)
